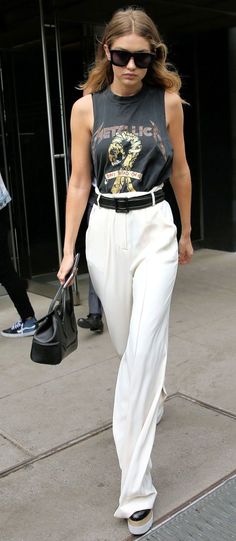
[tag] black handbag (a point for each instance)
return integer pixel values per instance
(57, 334)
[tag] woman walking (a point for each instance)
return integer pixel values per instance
(128, 134)
(13, 284)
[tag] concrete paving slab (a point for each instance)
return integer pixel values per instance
(205, 372)
(19, 373)
(195, 303)
(212, 267)
(10, 454)
(216, 334)
(202, 331)
(72, 495)
(61, 409)
(197, 447)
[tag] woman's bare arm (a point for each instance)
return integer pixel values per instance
(80, 179)
(180, 177)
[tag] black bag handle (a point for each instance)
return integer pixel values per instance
(57, 297)
(61, 292)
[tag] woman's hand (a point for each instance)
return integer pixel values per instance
(65, 268)
(185, 250)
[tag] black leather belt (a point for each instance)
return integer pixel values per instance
(125, 204)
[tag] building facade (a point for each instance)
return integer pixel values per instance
(46, 47)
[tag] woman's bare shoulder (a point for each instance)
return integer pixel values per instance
(83, 105)
(172, 99)
(82, 113)
(173, 107)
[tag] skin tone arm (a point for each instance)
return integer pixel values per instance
(80, 179)
(180, 177)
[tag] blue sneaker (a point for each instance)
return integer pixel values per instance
(20, 329)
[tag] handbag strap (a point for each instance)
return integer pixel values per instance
(57, 297)
(62, 291)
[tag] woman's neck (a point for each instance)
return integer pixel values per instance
(124, 90)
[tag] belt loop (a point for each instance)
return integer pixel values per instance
(98, 199)
(153, 199)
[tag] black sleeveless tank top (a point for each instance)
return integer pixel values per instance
(131, 150)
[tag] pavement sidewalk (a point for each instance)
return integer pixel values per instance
(59, 477)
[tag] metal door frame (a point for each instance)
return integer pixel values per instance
(64, 154)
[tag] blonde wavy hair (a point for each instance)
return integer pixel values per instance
(125, 21)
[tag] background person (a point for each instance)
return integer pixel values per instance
(93, 321)
(13, 284)
(132, 126)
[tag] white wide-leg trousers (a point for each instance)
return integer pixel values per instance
(132, 260)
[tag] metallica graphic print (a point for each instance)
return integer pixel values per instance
(123, 152)
(130, 157)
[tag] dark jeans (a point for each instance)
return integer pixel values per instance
(13, 284)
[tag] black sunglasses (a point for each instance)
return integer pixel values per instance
(122, 58)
